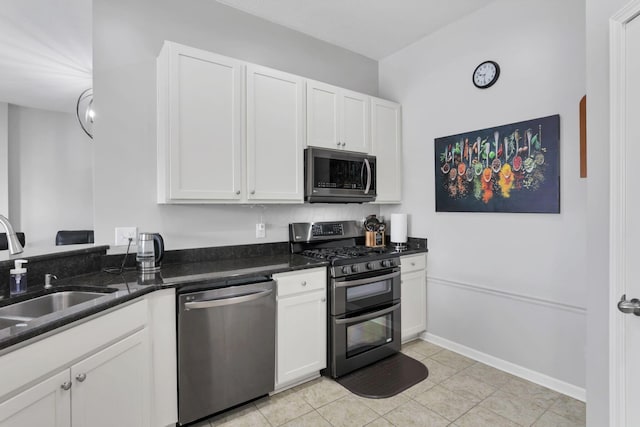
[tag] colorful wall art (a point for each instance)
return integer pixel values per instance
(510, 168)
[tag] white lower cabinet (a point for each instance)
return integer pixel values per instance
(107, 389)
(413, 295)
(90, 375)
(45, 404)
(301, 350)
(111, 388)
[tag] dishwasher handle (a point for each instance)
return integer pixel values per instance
(219, 302)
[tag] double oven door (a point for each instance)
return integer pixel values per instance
(364, 320)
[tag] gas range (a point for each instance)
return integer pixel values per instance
(364, 308)
(340, 243)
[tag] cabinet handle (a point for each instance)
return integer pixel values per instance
(338, 143)
(304, 283)
(66, 385)
(238, 192)
(413, 264)
(81, 377)
(323, 299)
(253, 191)
(344, 143)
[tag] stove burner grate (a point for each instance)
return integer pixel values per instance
(348, 252)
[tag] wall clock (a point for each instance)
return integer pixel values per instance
(486, 74)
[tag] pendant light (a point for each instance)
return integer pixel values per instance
(85, 112)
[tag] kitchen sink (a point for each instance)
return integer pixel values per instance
(28, 310)
(8, 322)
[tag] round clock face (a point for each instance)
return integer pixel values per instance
(486, 74)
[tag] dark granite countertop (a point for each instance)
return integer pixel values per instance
(182, 268)
(120, 288)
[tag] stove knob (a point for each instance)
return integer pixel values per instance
(354, 268)
(370, 266)
(346, 270)
(386, 263)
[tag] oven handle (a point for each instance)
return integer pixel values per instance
(367, 316)
(218, 302)
(347, 283)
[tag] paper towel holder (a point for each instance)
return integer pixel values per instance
(400, 247)
(399, 232)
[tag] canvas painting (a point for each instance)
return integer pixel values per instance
(509, 168)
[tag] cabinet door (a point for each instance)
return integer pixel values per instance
(204, 131)
(354, 126)
(275, 135)
(414, 304)
(323, 115)
(386, 145)
(302, 336)
(46, 404)
(111, 388)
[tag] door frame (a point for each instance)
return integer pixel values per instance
(617, 208)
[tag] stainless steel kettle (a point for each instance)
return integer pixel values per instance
(150, 252)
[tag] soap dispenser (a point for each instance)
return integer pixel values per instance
(18, 278)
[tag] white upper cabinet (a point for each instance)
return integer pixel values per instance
(386, 145)
(199, 125)
(234, 132)
(275, 135)
(337, 118)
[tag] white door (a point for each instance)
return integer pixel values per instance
(46, 404)
(386, 145)
(111, 388)
(205, 132)
(354, 125)
(625, 211)
(302, 336)
(323, 115)
(413, 315)
(275, 135)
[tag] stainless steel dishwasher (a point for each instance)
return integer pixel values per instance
(226, 345)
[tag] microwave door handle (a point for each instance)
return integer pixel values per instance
(366, 163)
(367, 316)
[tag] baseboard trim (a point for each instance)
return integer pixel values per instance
(505, 294)
(517, 370)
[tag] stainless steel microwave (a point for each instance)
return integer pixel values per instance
(338, 176)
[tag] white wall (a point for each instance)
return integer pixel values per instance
(511, 286)
(50, 174)
(597, 267)
(127, 38)
(4, 159)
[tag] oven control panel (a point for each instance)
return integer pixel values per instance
(327, 229)
(364, 267)
(321, 231)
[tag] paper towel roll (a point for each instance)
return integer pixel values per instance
(399, 228)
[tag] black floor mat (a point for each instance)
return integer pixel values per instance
(385, 378)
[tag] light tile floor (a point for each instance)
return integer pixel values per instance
(459, 392)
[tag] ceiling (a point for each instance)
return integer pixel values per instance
(45, 52)
(373, 28)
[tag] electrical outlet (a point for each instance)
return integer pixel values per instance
(261, 230)
(124, 233)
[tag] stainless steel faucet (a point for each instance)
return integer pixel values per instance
(47, 280)
(12, 240)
